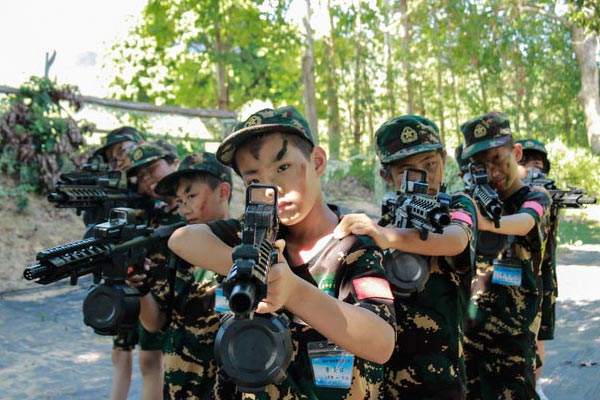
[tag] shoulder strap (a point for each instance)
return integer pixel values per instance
(226, 232)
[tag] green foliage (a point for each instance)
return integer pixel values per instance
(462, 60)
(38, 138)
(185, 145)
(359, 167)
(18, 195)
(212, 54)
(574, 166)
(578, 232)
(586, 13)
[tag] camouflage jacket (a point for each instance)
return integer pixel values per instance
(188, 299)
(342, 278)
(428, 357)
(499, 312)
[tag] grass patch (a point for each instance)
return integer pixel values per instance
(579, 226)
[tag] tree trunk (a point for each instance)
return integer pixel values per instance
(390, 75)
(410, 103)
(223, 90)
(440, 95)
(308, 77)
(422, 111)
(357, 112)
(585, 47)
(333, 109)
(482, 88)
(455, 97)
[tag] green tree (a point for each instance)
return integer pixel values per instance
(210, 53)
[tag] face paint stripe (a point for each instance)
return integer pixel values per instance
(283, 151)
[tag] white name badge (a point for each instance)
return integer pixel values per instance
(221, 303)
(506, 275)
(332, 366)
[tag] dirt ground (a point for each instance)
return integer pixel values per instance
(48, 352)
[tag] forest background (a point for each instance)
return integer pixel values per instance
(347, 65)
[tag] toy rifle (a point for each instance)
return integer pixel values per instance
(96, 190)
(116, 250)
(413, 207)
(253, 350)
(477, 185)
(573, 197)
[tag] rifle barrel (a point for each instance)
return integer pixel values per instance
(36, 271)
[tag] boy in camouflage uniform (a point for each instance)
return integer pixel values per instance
(115, 152)
(328, 294)
(535, 155)
(428, 358)
(183, 306)
(117, 145)
(503, 315)
(149, 163)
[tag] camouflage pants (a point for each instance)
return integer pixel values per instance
(548, 308)
(504, 370)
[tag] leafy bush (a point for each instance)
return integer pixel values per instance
(574, 166)
(359, 167)
(38, 138)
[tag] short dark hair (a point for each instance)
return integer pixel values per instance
(210, 180)
(530, 155)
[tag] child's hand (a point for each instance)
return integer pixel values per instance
(361, 224)
(281, 283)
(138, 280)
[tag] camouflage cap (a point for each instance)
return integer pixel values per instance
(285, 119)
(193, 164)
(485, 132)
(405, 136)
(122, 134)
(145, 153)
(532, 145)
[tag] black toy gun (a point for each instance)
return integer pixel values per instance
(253, 350)
(476, 184)
(109, 255)
(413, 207)
(246, 283)
(573, 197)
(95, 173)
(96, 190)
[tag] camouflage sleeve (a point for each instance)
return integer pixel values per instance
(363, 281)
(463, 213)
(537, 204)
(163, 289)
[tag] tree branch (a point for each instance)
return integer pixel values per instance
(541, 11)
(145, 107)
